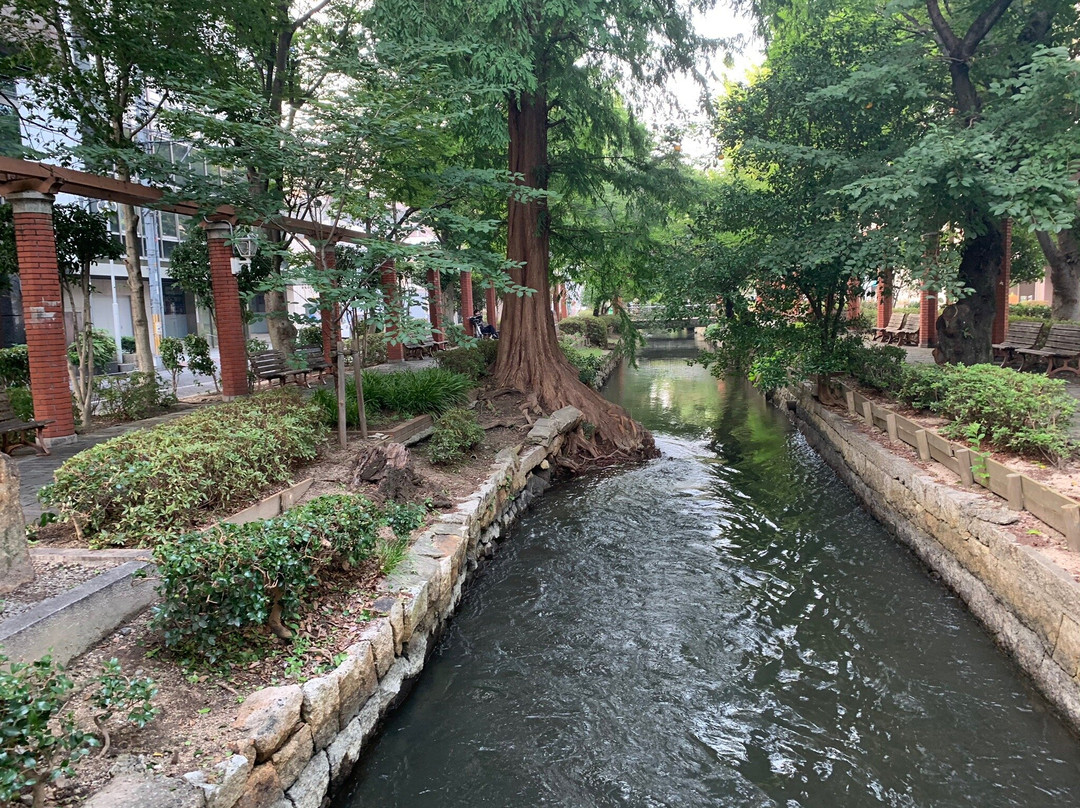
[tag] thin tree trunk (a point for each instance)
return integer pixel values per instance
(342, 427)
(529, 358)
(139, 322)
(1063, 255)
(86, 351)
(358, 375)
(964, 328)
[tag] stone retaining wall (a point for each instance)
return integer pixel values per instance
(1027, 602)
(302, 741)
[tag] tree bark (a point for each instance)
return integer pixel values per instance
(964, 328)
(529, 358)
(140, 324)
(1063, 255)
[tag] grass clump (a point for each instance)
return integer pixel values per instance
(456, 431)
(233, 577)
(138, 487)
(1012, 411)
(405, 394)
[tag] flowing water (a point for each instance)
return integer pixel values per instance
(723, 626)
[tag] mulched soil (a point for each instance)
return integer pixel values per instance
(198, 702)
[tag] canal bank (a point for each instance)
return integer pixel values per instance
(1030, 605)
(722, 626)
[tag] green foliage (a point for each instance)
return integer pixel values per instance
(15, 366)
(127, 344)
(594, 329)
(587, 360)
(199, 360)
(38, 741)
(132, 396)
(456, 431)
(880, 367)
(172, 357)
(404, 393)
(136, 488)
(118, 693)
(310, 336)
(22, 402)
(474, 361)
(1033, 311)
(104, 348)
(229, 578)
(1017, 412)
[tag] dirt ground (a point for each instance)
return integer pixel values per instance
(1027, 530)
(198, 702)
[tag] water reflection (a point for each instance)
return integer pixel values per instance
(721, 627)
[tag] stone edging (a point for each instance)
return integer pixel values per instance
(1030, 605)
(603, 373)
(302, 741)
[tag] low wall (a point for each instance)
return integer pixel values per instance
(1027, 602)
(302, 741)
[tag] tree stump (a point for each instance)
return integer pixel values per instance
(15, 568)
(389, 466)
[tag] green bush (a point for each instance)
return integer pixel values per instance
(38, 741)
(593, 329)
(1016, 412)
(1039, 311)
(198, 355)
(138, 487)
(475, 361)
(230, 577)
(406, 393)
(587, 361)
(104, 348)
(310, 336)
(374, 349)
(172, 357)
(880, 367)
(456, 431)
(132, 396)
(127, 344)
(22, 402)
(15, 366)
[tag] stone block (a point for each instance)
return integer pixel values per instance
(291, 759)
(356, 680)
(232, 775)
(312, 784)
(394, 611)
(269, 716)
(320, 708)
(15, 567)
(1067, 650)
(346, 748)
(145, 791)
(379, 633)
(542, 432)
(263, 788)
(566, 419)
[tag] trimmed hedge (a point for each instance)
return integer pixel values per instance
(139, 487)
(230, 577)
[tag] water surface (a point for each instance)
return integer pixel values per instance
(723, 626)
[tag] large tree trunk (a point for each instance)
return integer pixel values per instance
(529, 357)
(1063, 255)
(964, 328)
(139, 322)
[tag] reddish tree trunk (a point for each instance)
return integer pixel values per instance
(529, 357)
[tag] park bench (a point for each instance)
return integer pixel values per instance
(1020, 336)
(1061, 351)
(418, 350)
(16, 432)
(908, 333)
(270, 365)
(886, 332)
(315, 360)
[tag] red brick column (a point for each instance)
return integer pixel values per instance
(1001, 312)
(388, 280)
(467, 302)
(434, 280)
(329, 317)
(884, 297)
(35, 247)
(492, 307)
(927, 319)
(234, 381)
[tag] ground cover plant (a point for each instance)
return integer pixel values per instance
(588, 361)
(1017, 412)
(139, 487)
(233, 577)
(456, 431)
(405, 394)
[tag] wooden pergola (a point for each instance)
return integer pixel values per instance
(31, 187)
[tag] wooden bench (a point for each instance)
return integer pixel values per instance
(886, 332)
(420, 349)
(270, 365)
(315, 360)
(16, 432)
(1020, 335)
(908, 333)
(1061, 351)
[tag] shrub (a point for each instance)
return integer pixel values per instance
(232, 576)
(594, 329)
(310, 336)
(22, 402)
(199, 360)
(587, 360)
(456, 431)
(880, 367)
(135, 488)
(132, 396)
(127, 344)
(1040, 311)
(103, 344)
(15, 366)
(1017, 412)
(406, 393)
(38, 741)
(172, 357)
(373, 346)
(474, 361)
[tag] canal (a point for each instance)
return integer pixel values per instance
(723, 626)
